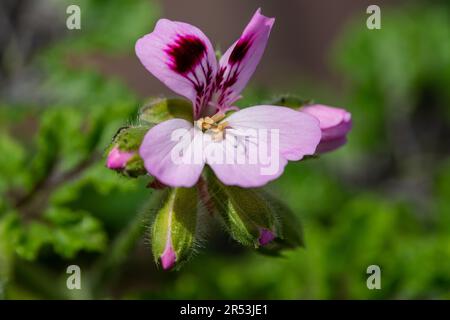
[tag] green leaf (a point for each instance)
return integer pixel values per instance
(9, 228)
(12, 160)
(75, 231)
(67, 232)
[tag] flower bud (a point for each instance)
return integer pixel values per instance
(123, 156)
(174, 229)
(289, 231)
(335, 123)
(118, 159)
(246, 214)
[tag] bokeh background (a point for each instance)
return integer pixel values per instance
(383, 199)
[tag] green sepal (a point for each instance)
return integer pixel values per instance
(129, 138)
(135, 167)
(291, 101)
(162, 109)
(176, 221)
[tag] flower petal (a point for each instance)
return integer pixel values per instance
(330, 145)
(334, 122)
(239, 62)
(182, 57)
(245, 174)
(278, 134)
(163, 142)
(299, 132)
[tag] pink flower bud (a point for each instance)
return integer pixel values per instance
(118, 159)
(265, 237)
(168, 257)
(335, 123)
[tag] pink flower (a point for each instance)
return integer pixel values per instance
(335, 123)
(117, 159)
(182, 57)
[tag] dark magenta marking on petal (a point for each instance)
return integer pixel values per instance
(185, 53)
(240, 50)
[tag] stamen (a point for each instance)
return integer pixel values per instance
(200, 123)
(218, 116)
(211, 124)
(209, 120)
(222, 125)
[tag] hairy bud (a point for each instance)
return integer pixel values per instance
(174, 229)
(123, 153)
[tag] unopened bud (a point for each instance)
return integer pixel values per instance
(123, 155)
(173, 232)
(117, 159)
(247, 215)
(335, 123)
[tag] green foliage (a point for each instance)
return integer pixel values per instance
(12, 159)
(394, 69)
(65, 231)
(104, 29)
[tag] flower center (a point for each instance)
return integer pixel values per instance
(212, 124)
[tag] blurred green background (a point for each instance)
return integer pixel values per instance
(383, 199)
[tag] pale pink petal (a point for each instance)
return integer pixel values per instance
(245, 174)
(299, 132)
(334, 122)
(158, 149)
(283, 133)
(182, 57)
(239, 62)
(330, 145)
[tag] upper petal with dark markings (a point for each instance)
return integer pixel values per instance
(182, 57)
(239, 62)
